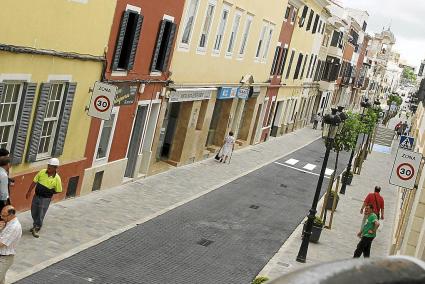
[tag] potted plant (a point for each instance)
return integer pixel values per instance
(316, 230)
(347, 177)
(332, 196)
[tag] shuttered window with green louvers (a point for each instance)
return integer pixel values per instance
(51, 119)
(164, 45)
(127, 41)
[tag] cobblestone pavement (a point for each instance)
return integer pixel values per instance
(224, 236)
(76, 224)
(340, 242)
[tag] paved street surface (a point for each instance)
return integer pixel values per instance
(76, 224)
(340, 242)
(225, 236)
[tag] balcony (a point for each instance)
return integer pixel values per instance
(335, 51)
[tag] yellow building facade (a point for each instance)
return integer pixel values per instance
(220, 71)
(50, 56)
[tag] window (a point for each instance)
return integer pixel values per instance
(310, 19)
(235, 29)
(221, 28)
(290, 64)
(164, 44)
(312, 67)
(9, 105)
(323, 28)
(127, 41)
(267, 46)
(305, 62)
(309, 66)
(105, 136)
(303, 16)
(336, 37)
(209, 14)
(294, 16)
(189, 21)
(275, 59)
(261, 40)
(298, 67)
(320, 26)
(287, 13)
(282, 61)
(364, 26)
(245, 35)
(51, 117)
(316, 21)
(318, 70)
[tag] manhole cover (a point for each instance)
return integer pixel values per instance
(205, 242)
(254, 206)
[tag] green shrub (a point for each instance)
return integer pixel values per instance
(259, 280)
(318, 221)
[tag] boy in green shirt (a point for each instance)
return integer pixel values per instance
(368, 232)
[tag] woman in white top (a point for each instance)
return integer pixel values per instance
(228, 147)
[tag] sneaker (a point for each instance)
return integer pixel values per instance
(35, 233)
(32, 229)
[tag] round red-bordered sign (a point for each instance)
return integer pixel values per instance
(102, 103)
(405, 171)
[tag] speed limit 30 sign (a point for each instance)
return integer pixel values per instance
(102, 99)
(405, 168)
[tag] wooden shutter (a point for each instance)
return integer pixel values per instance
(37, 123)
(63, 122)
(21, 126)
(120, 40)
(158, 45)
(169, 46)
(135, 42)
(1, 90)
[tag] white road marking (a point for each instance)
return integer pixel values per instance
(291, 162)
(297, 169)
(309, 167)
(328, 172)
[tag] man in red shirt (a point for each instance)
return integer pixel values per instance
(377, 202)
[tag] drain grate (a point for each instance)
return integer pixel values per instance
(283, 185)
(254, 206)
(204, 242)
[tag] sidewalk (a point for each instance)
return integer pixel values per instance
(76, 224)
(341, 241)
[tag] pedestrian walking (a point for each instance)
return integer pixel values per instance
(4, 153)
(47, 182)
(316, 118)
(227, 148)
(377, 202)
(4, 181)
(368, 233)
(9, 237)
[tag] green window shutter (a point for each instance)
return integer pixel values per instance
(120, 40)
(21, 126)
(169, 46)
(37, 123)
(135, 42)
(158, 45)
(63, 122)
(1, 90)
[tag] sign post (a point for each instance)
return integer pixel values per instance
(406, 142)
(102, 100)
(405, 168)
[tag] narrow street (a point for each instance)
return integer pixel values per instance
(226, 236)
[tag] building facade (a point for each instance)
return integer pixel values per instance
(140, 48)
(45, 77)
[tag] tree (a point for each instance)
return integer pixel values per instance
(409, 74)
(346, 140)
(394, 98)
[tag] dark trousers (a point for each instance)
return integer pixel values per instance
(39, 208)
(315, 124)
(363, 247)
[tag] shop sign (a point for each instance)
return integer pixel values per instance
(243, 92)
(185, 95)
(227, 93)
(126, 95)
(254, 92)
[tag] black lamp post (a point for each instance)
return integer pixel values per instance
(332, 120)
(364, 104)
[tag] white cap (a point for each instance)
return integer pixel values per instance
(53, 162)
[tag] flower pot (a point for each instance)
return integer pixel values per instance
(315, 232)
(330, 202)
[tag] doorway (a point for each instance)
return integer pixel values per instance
(168, 130)
(136, 140)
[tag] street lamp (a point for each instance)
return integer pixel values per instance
(364, 104)
(332, 120)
